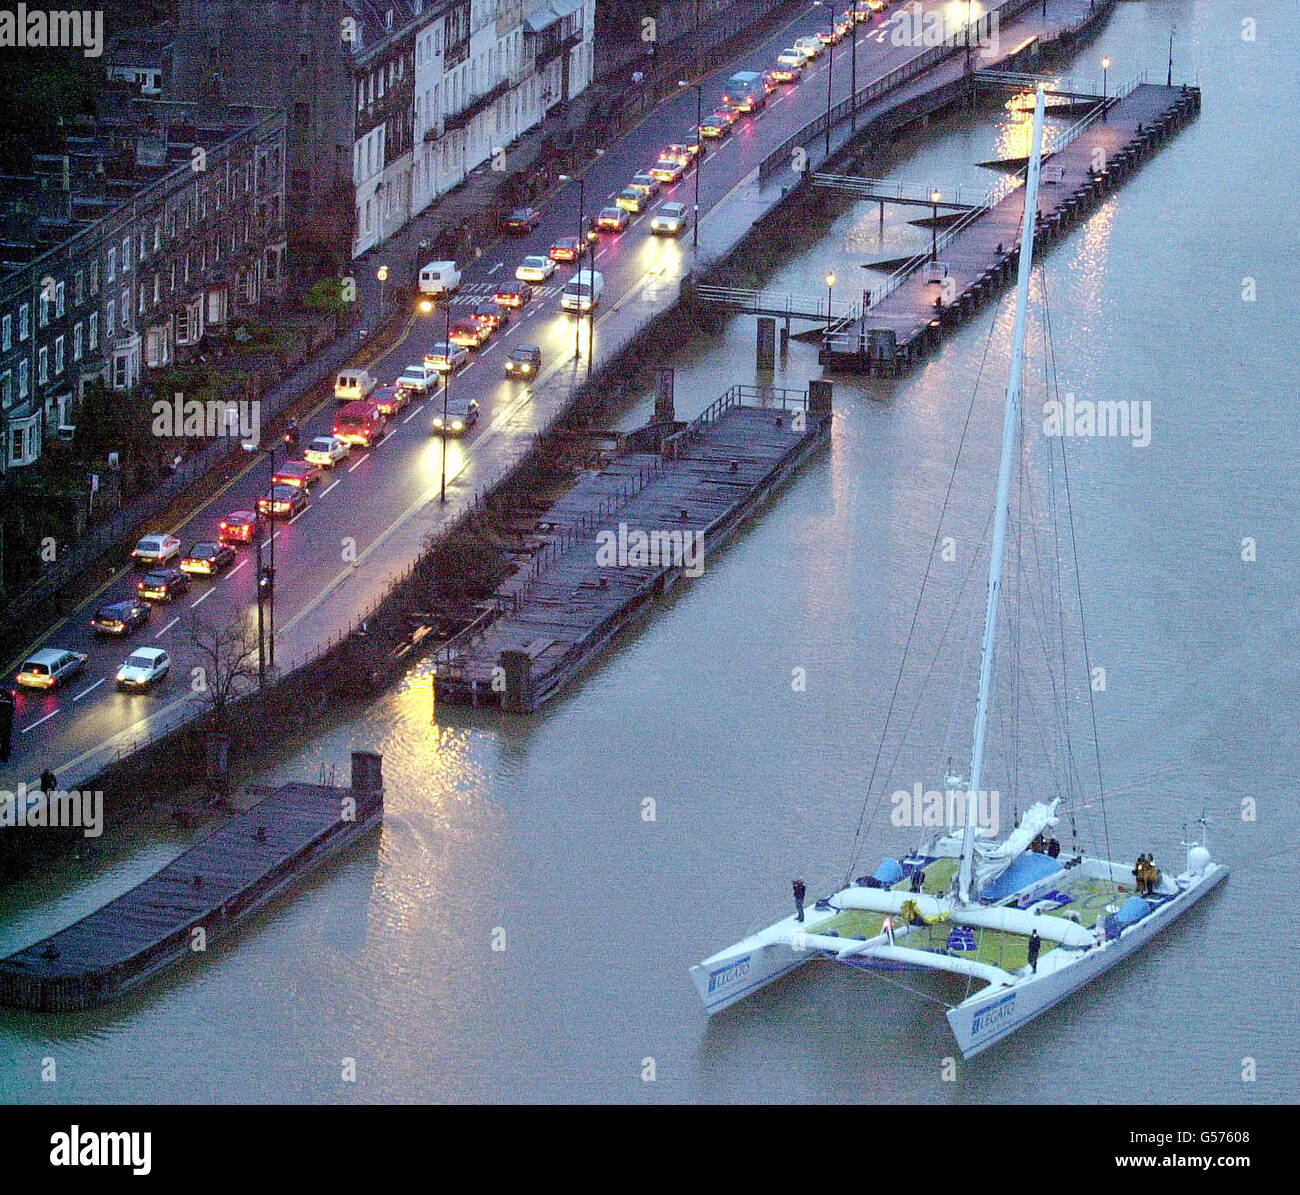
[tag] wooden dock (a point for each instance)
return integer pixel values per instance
(625, 534)
(982, 255)
(197, 898)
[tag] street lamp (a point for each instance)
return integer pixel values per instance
(830, 286)
(1169, 78)
(265, 576)
(1105, 69)
(853, 60)
(446, 390)
(968, 36)
(699, 161)
(382, 275)
(934, 224)
(582, 244)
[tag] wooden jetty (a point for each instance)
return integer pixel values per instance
(197, 898)
(596, 572)
(981, 252)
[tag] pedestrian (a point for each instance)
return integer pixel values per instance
(799, 891)
(6, 723)
(1139, 872)
(1053, 848)
(1035, 945)
(918, 880)
(49, 781)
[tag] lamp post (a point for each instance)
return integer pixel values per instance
(934, 224)
(968, 37)
(830, 74)
(830, 289)
(582, 245)
(1169, 78)
(382, 275)
(446, 390)
(265, 576)
(699, 160)
(1105, 70)
(853, 67)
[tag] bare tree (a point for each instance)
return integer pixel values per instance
(228, 652)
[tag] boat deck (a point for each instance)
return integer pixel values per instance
(1079, 896)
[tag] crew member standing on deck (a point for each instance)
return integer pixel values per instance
(799, 891)
(1035, 945)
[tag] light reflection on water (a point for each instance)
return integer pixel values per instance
(531, 831)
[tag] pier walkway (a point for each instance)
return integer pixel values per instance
(977, 254)
(195, 899)
(625, 534)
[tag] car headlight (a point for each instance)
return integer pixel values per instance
(457, 425)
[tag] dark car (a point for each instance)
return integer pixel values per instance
(282, 502)
(525, 361)
(490, 315)
(513, 294)
(163, 585)
(208, 559)
(521, 221)
(238, 527)
(296, 473)
(565, 249)
(120, 618)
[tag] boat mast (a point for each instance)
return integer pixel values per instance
(1010, 421)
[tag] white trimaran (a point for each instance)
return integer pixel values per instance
(966, 906)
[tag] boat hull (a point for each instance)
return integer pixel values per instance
(996, 1013)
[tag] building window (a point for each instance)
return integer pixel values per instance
(126, 308)
(112, 265)
(157, 235)
(126, 254)
(94, 331)
(58, 300)
(58, 355)
(6, 332)
(43, 365)
(78, 287)
(110, 315)
(94, 277)
(140, 255)
(121, 371)
(76, 342)
(24, 316)
(44, 317)
(22, 380)
(6, 390)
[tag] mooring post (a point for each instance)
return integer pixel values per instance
(766, 346)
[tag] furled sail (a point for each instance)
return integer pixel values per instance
(993, 858)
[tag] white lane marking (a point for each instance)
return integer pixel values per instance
(237, 567)
(204, 598)
(531, 313)
(304, 510)
(35, 724)
(600, 255)
(359, 460)
(468, 368)
(91, 689)
(510, 331)
(329, 487)
(167, 628)
(495, 268)
(489, 348)
(387, 436)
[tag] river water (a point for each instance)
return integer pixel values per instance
(530, 833)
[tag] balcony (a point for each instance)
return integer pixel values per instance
(552, 50)
(481, 103)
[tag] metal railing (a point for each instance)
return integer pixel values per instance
(884, 188)
(767, 302)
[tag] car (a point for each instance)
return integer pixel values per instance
(693, 144)
(389, 398)
(534, 268)
(646, 183)
(418, 379)
(144, 667)
(565, 249)
(120, 618)
(728, 112)
(770, 82)
(361, 423)
(612, 219)
(327, 451)
(446, 358)
(808, 46)
(282, 501)
(238, 527)
(521, 221)
(789, 65)
(512, 294)
(49, 667)
(492, 317)
(630, 200)
(668, 170)
(669, 220)
(300, 474)
(830, 35)
(208, 558)
(680, 153)
(461, 414)
(469, 334)
(715, 127)
(156, 549)
(163, 585)
(525, 361)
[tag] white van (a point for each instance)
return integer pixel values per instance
(352, 384)
(809, 47)
(439, 278)
(582, 292)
